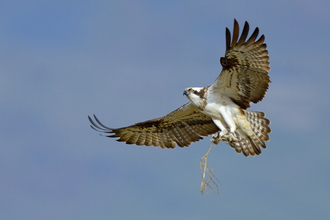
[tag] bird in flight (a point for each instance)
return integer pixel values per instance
(219, 109)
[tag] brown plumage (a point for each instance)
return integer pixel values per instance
(182, 127)
(251, 145)
(243, 79)
(244, 76)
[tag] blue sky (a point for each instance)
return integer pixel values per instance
(130, 61)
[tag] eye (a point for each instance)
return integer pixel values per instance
(191, 90)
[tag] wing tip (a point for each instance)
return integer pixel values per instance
(231, 42)
(97, 125)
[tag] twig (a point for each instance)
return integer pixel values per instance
(209, 171)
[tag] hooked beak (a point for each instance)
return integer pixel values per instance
(185, 92)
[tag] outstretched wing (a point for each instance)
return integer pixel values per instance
(244, 76)
(182, 127)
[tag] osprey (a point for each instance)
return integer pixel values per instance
(220, 107)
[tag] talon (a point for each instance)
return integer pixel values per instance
(215, 138)
(232, 136)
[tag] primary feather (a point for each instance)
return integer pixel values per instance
(220, 107)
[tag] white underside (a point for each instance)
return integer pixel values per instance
(224, 113)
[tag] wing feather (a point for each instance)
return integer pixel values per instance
(125, 136)
(228, 36)
(244, 33)
(183, 136)
(253, 37)
(244, 76)
(162, 140)
(180, 140)
(181, 127)
(133, 138)
(148, 140)
(235, 34)
(174, 138)
(142, 139)
(155, 139)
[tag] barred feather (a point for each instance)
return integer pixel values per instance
(250, 145)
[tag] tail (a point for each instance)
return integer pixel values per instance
(250, 144)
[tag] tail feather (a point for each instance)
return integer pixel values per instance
(250, 145)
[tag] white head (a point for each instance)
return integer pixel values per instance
(196, 95)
